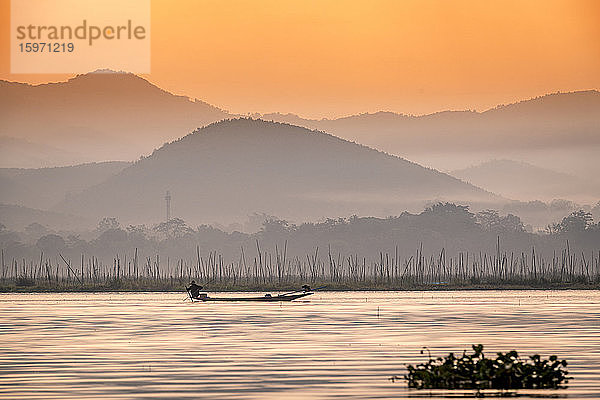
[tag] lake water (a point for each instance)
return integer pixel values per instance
(330, 346)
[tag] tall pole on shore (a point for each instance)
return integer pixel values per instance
(168, 200)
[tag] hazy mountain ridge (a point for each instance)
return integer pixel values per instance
(561, 117)
(581, 101)
(121, 116)
(233, 168)
(519, 180)
(110, 115)
(560, 130)
(19, 217)
(20, 153)
(100, 115)
(43, 188)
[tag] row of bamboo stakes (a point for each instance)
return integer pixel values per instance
(324, 267)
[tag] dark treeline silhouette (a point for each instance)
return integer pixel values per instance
(446, 244)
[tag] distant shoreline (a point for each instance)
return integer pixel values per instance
(286, 287)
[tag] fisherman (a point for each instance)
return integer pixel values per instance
(194, 290)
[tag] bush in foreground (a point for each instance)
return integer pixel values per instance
(475, 371)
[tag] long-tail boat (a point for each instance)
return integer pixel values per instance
(305, 291)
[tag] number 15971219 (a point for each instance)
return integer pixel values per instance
(40, 47)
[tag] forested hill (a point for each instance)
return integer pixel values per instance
(231, 169)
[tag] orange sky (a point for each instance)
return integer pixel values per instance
(330, 58)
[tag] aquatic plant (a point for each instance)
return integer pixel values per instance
(475, 371)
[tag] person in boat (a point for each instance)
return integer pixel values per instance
(194, 290)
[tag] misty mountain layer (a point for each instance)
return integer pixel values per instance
(44, 188)
(231, 169)
(566, 119)
(558, 131)
(100, 116)
(109, 116)
(524, 181)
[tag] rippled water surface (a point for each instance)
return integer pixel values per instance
(333, 345)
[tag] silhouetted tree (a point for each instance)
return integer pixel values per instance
(112, 239)
(577, 221)
(450, 210)
(51, 243)
(492, 221)
(173, 228)
(277, 226)
(512, 223)
(488, 219)
(107, 223)
(138, 232)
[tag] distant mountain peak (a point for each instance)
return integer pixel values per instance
(250, 126)
(103, 114)
(234, 167)
(109, 71)
(108, 76)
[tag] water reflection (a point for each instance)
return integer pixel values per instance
(333, 345)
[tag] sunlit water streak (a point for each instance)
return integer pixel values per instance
(333, 345)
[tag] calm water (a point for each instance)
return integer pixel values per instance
(335, 345)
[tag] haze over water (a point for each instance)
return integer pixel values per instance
(334, 345)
